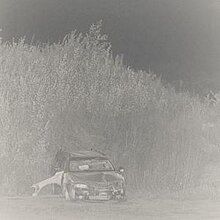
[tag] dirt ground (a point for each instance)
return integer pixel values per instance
(55, 208)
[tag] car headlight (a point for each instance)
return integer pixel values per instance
(119, 184)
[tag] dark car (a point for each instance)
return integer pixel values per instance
(88, 175)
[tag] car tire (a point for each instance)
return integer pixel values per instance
(69, 193)
(122, 197)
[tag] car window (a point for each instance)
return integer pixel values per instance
(90, 165)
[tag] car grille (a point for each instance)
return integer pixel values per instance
(103, 187)
(101, 191)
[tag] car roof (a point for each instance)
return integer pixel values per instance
(86, 155)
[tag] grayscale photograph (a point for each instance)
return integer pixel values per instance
(109, 109)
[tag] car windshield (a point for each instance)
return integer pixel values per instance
(91, 165)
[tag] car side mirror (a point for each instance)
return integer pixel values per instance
(121, 170)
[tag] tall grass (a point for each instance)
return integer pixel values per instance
(75, 94)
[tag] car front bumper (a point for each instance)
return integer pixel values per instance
(100, 194)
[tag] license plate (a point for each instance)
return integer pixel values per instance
(101, 196)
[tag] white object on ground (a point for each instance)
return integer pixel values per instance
(56, 179)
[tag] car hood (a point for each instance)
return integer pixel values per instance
(96, 177)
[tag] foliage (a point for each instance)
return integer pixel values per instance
(75, 94)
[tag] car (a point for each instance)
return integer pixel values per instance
(88, 175)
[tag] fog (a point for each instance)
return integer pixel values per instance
(89, 134)
(178, 40)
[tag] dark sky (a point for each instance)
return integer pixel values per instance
(179, 39)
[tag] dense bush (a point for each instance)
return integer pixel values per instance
(75, 94)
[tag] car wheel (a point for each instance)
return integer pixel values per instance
(69, 193)
(122, 197)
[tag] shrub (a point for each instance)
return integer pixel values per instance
(75, 94)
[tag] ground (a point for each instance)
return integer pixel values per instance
(55, 208)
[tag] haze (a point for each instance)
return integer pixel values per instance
(178, 40)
